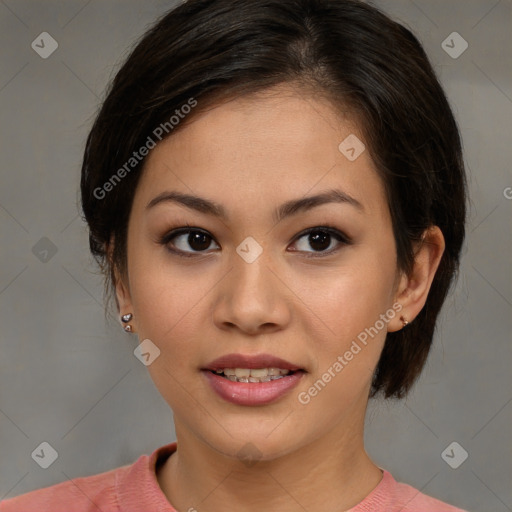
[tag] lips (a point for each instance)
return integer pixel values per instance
(248, 391)
(251, 362)
(252, 394)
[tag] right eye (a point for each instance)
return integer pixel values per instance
(176, 241)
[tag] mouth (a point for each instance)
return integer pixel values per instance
(252, 380)
(256, 366)
(254, 374)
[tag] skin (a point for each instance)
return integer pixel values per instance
(251, 155)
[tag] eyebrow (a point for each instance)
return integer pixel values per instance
(287, 209)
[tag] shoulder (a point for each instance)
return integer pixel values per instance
(412, 500)
(130, 487)
(84, 494)
(393, 496)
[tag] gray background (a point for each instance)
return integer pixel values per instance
(69, 377)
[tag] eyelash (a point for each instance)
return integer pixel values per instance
(330, 230)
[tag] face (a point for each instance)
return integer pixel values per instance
(303, 287)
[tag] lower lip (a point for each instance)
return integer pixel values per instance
(252, 393)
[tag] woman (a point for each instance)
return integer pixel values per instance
(309, 147)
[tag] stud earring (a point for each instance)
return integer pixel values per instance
(404, 321)
(125, 319)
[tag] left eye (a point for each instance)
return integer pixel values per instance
(321, 238)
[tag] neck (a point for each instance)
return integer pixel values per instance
(333, 472)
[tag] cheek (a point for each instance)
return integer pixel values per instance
(349, 304)
(166, 297)
(168, 304)
(352, 297)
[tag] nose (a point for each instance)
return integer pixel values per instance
(252, 298)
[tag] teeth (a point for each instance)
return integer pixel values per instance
(253, 374)
(260, 372)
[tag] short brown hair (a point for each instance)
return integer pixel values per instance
(346, 50)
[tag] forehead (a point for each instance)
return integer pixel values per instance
(280, 143)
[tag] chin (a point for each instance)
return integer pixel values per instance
(253, 446)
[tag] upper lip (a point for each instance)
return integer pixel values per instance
(250, 362)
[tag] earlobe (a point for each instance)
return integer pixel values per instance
(122, 291)
(122, 294)
(413, 289)
(125, 304)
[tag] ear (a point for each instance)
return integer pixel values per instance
(123, 294)
(121, 285)
(413, 289)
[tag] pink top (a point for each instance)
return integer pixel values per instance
(134, 488)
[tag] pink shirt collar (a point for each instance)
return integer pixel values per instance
(137, 487)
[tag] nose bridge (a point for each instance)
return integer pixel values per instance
(250, 269)
(250, 296)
